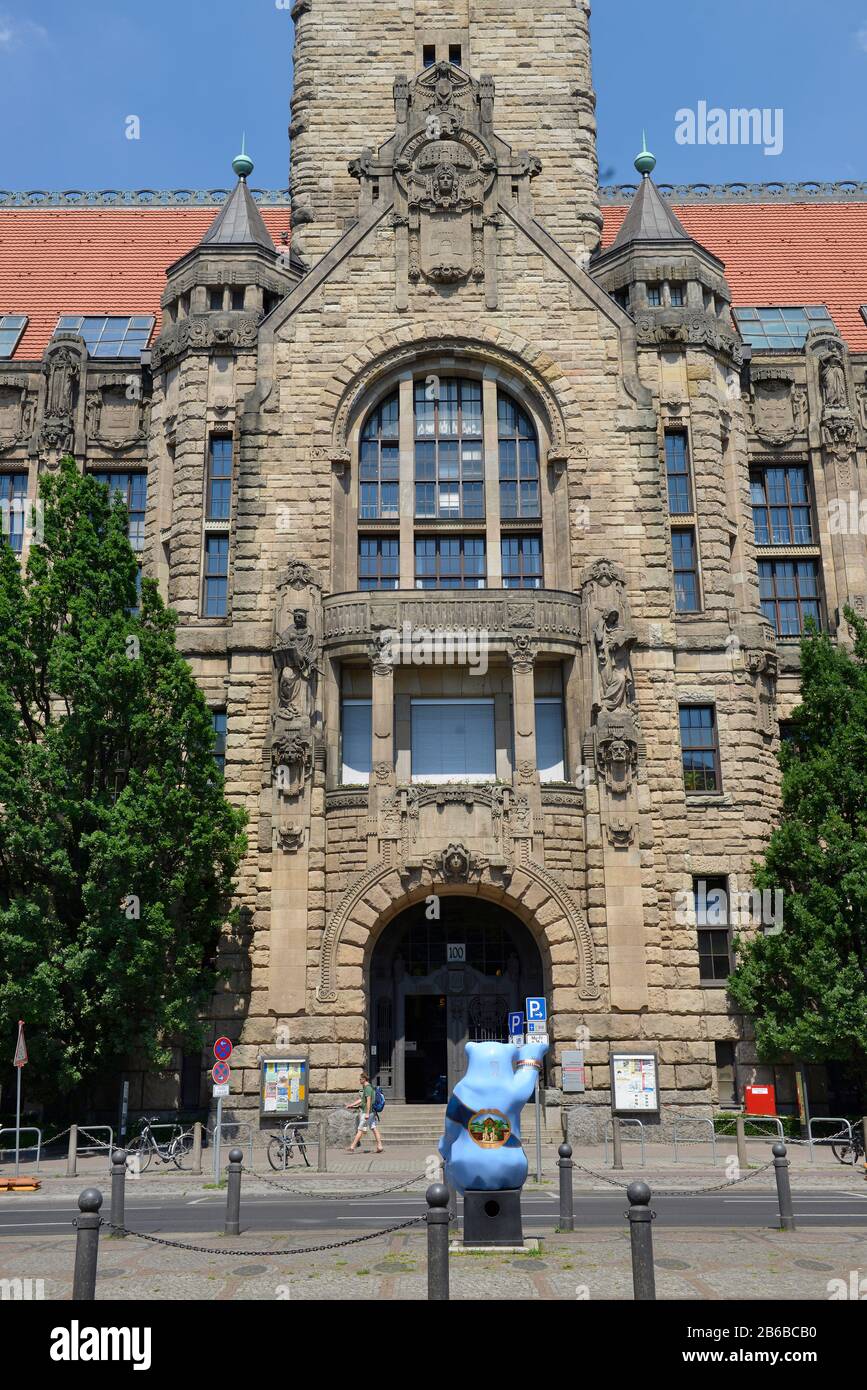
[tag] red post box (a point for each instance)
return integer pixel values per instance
(760, 1100)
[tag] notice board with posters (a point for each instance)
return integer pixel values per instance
(634, 1083)
(284, 1090)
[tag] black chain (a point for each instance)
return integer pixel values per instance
(335, 1196)
(680, 1191)
(264, 1254)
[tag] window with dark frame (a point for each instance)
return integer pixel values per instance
(11, 328)
(216, 587)
(215, 300)
(219, 720)
(219, 500)
(450, 562)
(455, 54)
(685, 561)
(428, 55)
(699, 749)
(782, 506)
(449, 454)
(132, 488)
(789, 595)
(713, 925)
(677, 292)
(678, 473)
(378, 562)
(726, 1073)
(654, 296)
(379, 468)
(519, 461)
(521, 561)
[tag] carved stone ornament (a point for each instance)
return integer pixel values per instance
(621, 832)
(205, 332)
(16, 413)
(292, 762)
(290, 838)
(296, 655)
(774, 406)
(762, 665)
(522, 651)
(62, 371)
(456, 864)
(114, 420)
(673, 328)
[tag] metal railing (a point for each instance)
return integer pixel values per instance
(840, 1134)
(622, 1122)
(694, 1120)
(23, 1148)
(221, 1138)
(763, 1120)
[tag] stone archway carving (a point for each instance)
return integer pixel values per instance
(534, 895)
(443, 340)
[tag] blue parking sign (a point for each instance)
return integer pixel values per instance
(537, 1010)
(516, 1025)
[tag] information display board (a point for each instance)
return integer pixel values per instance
(634, 1083)
(284, 1091)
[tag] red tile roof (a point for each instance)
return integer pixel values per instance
(57, 261)
(784, 253)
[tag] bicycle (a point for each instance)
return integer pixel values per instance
(146, 1146)
(851, 1148)
(282, 1146)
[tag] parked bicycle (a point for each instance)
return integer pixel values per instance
(146, 1146)
(282, 1147)
(850, 1149)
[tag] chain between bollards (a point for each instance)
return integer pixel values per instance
(564, 1163)
(233, 1193)
(784, 1188)
(86, 1246)
(118, 1191)
(437, 1198)
(641, 1238)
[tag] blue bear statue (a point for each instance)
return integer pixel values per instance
(481, 1145)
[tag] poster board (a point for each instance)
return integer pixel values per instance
(634, 1083)
(284, 1088)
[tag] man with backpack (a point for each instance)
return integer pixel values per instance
(370, 1103)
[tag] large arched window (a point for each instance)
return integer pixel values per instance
(449, 488)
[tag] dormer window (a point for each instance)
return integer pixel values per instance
(109, 335)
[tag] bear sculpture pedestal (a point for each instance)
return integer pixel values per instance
(493, 1218)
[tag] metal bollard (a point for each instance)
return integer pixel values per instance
(564, 1163)
(118, 1190)
(233, 1193)
(197, 1147)
(618, 1143)
(741, 1137)
(641, 1237)
(322, 1151)
(437, 1198)
(86, 1245)
(72, 1153)
(784, 1188)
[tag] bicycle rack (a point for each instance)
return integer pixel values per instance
(25, 1148)
(220, 1140)
(694, 1120)
(830, 1138)
(625, 1121)
(90, 1149)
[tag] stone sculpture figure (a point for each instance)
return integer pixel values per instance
(612, 641)
(833, 379)
(481, 1145)
(297, 656)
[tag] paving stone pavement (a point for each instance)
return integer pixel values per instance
(690, 1264)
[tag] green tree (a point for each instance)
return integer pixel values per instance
(117, 845)
(806, 987)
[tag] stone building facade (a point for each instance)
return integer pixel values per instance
(457, 505)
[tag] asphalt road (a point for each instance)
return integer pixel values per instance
(287, 1216)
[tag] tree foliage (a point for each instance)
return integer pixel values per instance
(117, 846)
(806, 987)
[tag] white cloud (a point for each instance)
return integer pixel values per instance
(14, 34)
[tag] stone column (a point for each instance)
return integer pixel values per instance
(382, 776)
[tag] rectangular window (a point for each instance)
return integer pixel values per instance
(13, 508)
(110, 335)
(450, 562)
(677, 291)
(550, 745)
(522, 562)
(356, 742)
(11, 328)
(219, 720)
(238, 297)
(699, 749)
(453, 740)
(677, 470)
(621, 297)
(789, 594)
(711, 903)
(726, 1076)
(428, 55)
(215, 300)
(685, 558)
(782, 509)
(777, 327)
(455, 54)
(654, 296)
(216, 597)
(519, 461)
(132, 488)
(378, 562)
(220, 478)
(449, 468)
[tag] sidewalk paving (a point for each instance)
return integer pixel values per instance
(690, 1264)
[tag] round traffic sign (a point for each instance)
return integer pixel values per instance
(222, 1049)
(221, 1073)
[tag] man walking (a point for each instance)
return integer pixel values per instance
(368, 1120)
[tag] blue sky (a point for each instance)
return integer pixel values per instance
(198, 72)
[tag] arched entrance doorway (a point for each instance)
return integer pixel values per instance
(434, 985)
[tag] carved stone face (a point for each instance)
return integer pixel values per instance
(299, 617)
